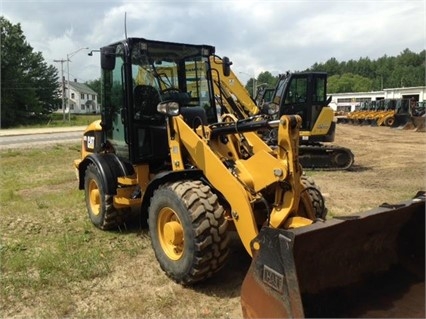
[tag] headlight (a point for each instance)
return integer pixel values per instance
(271, 108)
(168, 107)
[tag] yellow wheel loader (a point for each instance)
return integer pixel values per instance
(160, 149)
(356, 117)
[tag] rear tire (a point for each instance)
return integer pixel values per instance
(188, 231)
(99, 205)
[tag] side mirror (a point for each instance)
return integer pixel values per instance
(108, 58)
(226, 65)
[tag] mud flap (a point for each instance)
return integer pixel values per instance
(294, 273)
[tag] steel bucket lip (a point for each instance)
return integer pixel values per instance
(279, 243)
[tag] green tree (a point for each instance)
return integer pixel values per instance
(406, 69)
(95, 85)
(29, 87)
(348, 82)
(332, 66)
(264, 80)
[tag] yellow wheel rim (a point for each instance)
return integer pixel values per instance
(170, 233)
(94, 197)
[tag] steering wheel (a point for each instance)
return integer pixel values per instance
(170, 89)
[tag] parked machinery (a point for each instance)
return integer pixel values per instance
(305, 94)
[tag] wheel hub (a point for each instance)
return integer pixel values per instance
(95, 198)
(173, 233)
(170, 232)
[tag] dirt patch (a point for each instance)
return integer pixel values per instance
(390, 166)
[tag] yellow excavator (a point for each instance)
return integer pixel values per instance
(303, 94)
(162, 150)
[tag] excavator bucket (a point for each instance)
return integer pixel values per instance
(371, 265)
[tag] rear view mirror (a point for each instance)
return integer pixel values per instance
(108, 58)
(226, 65)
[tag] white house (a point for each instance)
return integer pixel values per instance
(82, 99)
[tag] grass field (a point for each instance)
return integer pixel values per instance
(48, 244)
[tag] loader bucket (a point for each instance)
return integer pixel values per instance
(419, 123)
(371, 265)
(403, 121)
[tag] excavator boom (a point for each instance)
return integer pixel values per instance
(358, 266)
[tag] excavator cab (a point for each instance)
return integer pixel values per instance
(305, 94)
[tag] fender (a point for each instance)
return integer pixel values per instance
(109, 166)
(170, 176)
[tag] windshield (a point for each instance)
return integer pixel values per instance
(173, 71)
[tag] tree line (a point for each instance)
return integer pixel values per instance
(30, 88)
(405, 70)
(362, 75)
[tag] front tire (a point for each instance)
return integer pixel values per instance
(188, 231)
(389, 121)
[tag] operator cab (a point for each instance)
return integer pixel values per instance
(303, 94)
(138, 74)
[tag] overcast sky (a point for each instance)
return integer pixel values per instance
(258, 36)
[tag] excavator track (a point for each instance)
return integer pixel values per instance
(325, 157)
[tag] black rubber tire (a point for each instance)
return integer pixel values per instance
(389, 121)
(105, 216)
(342, 158)
(314, 196)
(205, 237)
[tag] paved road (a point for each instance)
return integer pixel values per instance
(16, 138)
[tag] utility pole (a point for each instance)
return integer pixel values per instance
(63, 86)
(69, 55)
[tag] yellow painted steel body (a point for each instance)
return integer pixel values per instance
(231, 88)
(240, 185)
(322, 124)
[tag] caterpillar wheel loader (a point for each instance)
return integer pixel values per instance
(388, 118)
(411, 116)
(356, 117)
(160, 150)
